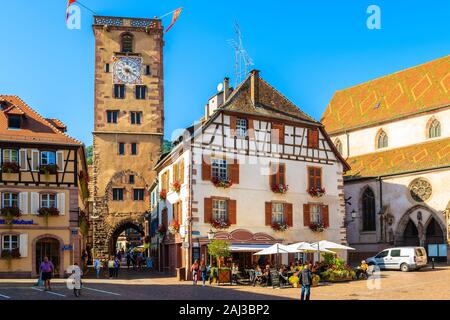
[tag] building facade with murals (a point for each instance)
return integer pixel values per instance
(43, 192)
(394, 132)
(128, 125)
(255, 171)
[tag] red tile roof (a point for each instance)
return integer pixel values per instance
(34, 129)
(407, 92)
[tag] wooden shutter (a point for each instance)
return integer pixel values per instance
(251, 129)
(35, 203)
(234, 171)
(272, 174)
(268, 213)
(23, 202)
(275, 133)
(233, 126)
(23, 159)
(181, 170)
(60, 160)
(207, 210)
(325, 216)
(61, 203)
(288, 214)
(35, 161)
(281, 173)
(313, 138)
(306, 215)
(206, 170)
(231, 211)
(23, 245)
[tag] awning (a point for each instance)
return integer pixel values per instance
(248, 247)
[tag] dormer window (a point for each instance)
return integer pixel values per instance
(14, 122)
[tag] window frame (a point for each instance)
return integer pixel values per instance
(11, 199)
(368, 225)
(218, 211)
(382, 140)
(141, 92)
(279, 213)
(47, 152)
(10, 155)
(119, 152)
(219, 169)
(135, 151)
(14, 119)
(10, 242)
(123, 38)
(315, 177)
(241, 128)
(313, 214)
(48, 200)
(118, 196)
(112, 116)
(136, 117)
(140, 194)
(119, 91)
(434, 129)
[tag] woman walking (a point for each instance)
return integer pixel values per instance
(194, 270)
(111, 263)
(47, 270)
(203, 271)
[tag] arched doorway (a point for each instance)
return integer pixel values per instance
(128, 234)
(411, 234)
(434, 233)
(48, 247)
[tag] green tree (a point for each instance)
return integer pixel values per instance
(166, 146)
(89, 155)
(219, 249)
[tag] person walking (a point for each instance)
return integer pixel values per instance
(116, 266)
(97, 267)
(203, 271)
(47, 268)
(305, 280)
(111, 267)
(194, 269)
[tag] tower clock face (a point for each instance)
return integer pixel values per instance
(127, 70)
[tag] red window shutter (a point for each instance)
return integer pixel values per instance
(232, 211)
(325, 216)
(273, 176)
(306, 215)
(234, 172)
(288, 214)
(233, 125)
(181, 170)
(281, 173)
(208, 210)
(281, 134)
(277, 134)
(313, 138)
(251, 129)
(268, 213)
(206, 170)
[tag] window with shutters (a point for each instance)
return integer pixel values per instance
(119, 91)
(136, 117)
(138, 194)
(111, 116)
(220, 210)
(141, 92)
(165, 181)
(314, 178)
(11, 155)
(278, 175)
(48, 157)
(315, 213)
(48, 200)
(176, 209)
(241, 128)
(10, 242)
(278, 212)
(313, 138)
(117, 194)
(10, 200)
(219, 169)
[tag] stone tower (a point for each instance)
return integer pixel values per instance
(128, 124)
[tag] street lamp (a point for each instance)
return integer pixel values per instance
(211, 234)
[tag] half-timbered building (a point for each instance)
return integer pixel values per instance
(43, 188)
(255, 170)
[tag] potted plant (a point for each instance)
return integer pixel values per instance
(47, 212)
(9, 213)
(220, 249)
(176, 186)
(174, 227)
(48, 169)
(279, 226)
(280, 188)
(316, 192)
(10, 167)
(220, 224)
(162, 195)
(222, 182)
(9, 255)
(162, 231)
(317, 227)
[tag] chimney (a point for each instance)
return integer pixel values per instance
(226, 88)
(254, 87)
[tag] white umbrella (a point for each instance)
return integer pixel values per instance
(324, 244)
(275, 249)
(307, 247)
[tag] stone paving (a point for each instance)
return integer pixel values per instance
(424, 284)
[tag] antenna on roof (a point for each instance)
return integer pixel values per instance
(243, 61)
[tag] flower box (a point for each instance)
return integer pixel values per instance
(316, 192)
(10, 167)
(10, 213)
(163, 195)
(10, 254)
(317, 227)
(176, 186)
(222, 183)
(174, 227)
(220, 224)
(46, 212)
(280, 188)
(279, 226)
(48, 169)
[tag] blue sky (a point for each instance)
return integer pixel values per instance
(306, 49)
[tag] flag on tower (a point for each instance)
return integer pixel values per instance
(69, 2)
(176, 13)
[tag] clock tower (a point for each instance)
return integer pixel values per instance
(128, 125)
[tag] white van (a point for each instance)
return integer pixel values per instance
(401, 258)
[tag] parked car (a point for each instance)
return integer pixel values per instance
(401, 258)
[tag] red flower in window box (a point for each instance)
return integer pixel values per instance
(174, 227)
(176, 186)
(52, 211)
(48, 169)
(280, 188)
(220, 224)
(163, 194)
(10, 167)
(316, 192)
(279, 226)
(222, 183)
(317, 227)
(162, 230)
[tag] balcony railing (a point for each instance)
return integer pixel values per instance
(127, 22)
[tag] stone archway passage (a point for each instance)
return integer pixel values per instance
(48, 245)
(118, 230)
(434, 233)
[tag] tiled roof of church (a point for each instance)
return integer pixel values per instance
(423, 156)
(407, 92)
(34, 128)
